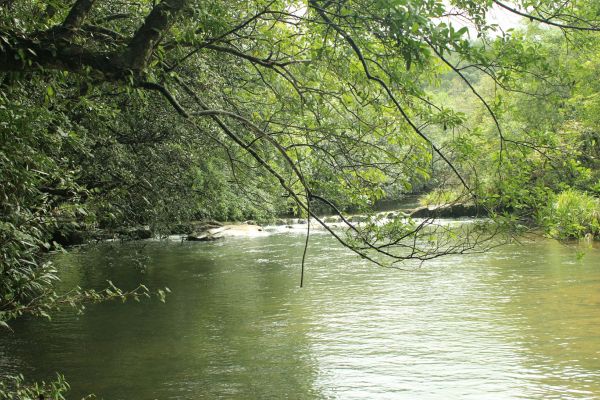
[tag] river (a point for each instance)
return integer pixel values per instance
(519, 322)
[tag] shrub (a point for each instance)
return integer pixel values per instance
(572, 214)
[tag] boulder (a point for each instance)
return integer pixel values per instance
(134, 233)
(204, 225)
(206, 234)
(141, 232)
(202, 237)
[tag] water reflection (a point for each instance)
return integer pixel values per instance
(552, 308)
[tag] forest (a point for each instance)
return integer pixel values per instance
(135, 119)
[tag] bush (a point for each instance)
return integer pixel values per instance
(572, 214)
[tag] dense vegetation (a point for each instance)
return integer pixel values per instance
(115, 115)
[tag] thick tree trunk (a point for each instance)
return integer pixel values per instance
(77, 15)
(146, 38)
(24, 54)
(56, 49)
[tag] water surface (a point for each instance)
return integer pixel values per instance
(520, 322)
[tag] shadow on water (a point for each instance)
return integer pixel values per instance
(226, 329)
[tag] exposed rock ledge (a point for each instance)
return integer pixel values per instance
(234, 230)
(213, 230)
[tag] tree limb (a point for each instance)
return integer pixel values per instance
(146, 38)
(546, 20)
(369, 76)
(77, 15)
(162, 90)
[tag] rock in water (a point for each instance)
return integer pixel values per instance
(241, 230)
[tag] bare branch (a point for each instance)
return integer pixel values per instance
(475, 92)
(265, 62)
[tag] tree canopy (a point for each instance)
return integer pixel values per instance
(117, 113)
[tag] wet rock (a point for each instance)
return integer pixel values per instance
(202, 237)
(134, 233)
(240, 230)
(204, 225)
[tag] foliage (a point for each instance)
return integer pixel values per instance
(572, 214)
(545, 143)
(48, 300)
(17, 389)
(116, 115)
(28, 164)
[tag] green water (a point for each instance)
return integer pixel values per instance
(520, 322)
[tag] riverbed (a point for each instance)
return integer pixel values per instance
(519, 322)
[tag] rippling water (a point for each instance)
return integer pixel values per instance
(520, 322)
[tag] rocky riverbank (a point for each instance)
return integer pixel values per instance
(214, 230)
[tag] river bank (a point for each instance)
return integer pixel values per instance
(206, 230)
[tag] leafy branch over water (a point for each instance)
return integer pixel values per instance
(48, 300)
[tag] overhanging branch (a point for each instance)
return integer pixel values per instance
(546, 20)
(170, 98)
(379, 81)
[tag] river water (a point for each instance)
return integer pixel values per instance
(519, 322)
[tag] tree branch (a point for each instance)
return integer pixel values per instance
(162, 90)
(146, 38)
(545, 20)
(475, 92)
(369, 76)
(77, 15)
(23, 54)
(265, 62)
